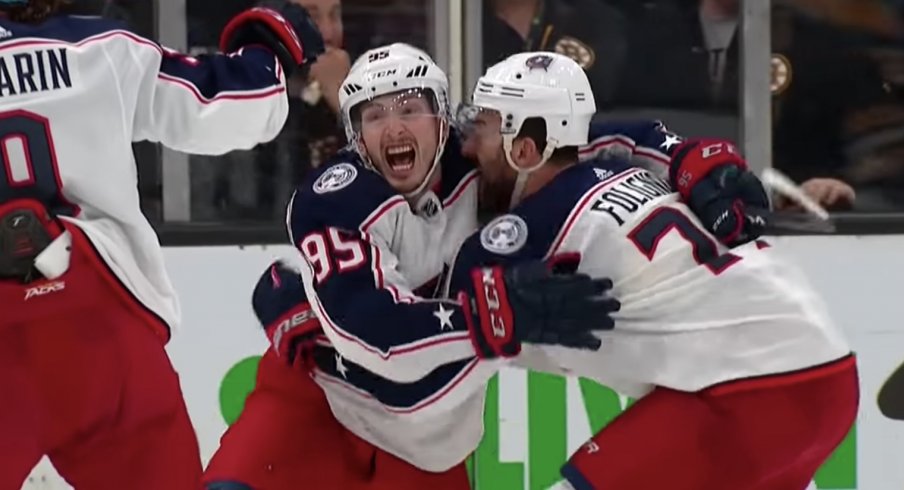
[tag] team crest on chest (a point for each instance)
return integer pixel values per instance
(504, 235)
(335, 178)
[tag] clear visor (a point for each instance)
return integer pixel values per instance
(407, 104)
(472, 120)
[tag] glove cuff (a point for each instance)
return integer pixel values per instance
(298, 322)
(272, 23)
(693, 160)
(492, 330)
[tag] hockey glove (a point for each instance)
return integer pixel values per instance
(714, 182)
(532, 303)
(287, 30)
(282, 307)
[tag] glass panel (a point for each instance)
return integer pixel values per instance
(674, 60)
(255, 185)
(838, 111)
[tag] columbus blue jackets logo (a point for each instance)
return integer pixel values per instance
(335, 178)
(539, 62)
(504, 235)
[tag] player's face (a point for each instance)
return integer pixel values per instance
(484, 144)
(400, 133)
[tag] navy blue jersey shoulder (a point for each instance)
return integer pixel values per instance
(64, 28)
(341, 193)
(538, 220)
(641, 133)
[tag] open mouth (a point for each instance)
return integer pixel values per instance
(400, 157)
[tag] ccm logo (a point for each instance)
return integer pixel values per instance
(491, 293)
(44, 289)
(718, 148)
(291, 323)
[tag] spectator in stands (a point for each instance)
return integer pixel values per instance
(838, 115)
(313, 131)
(327, 74)
(591, 32)
(684, 54)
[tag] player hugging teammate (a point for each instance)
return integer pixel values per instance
(384, 335)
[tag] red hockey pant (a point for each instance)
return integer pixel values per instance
(86, 381)
(287, 438)
(768, 433)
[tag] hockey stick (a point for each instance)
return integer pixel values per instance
(814, 219)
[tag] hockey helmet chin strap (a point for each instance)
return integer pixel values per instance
(524, 173)
(440, 148)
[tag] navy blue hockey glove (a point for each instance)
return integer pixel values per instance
(714, 182)
(283, 310)
(287, 30)
(534, 303)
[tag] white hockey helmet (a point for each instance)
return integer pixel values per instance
(389, 69)
(543, 85)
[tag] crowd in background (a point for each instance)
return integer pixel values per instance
(837, 85)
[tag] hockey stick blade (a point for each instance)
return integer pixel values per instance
(779, 182)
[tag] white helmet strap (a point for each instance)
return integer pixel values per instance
(524, 173)
(440, 146)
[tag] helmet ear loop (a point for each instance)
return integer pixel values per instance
(523, 174)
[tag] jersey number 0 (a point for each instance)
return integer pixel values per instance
(30, 169)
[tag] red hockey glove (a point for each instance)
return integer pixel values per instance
(714, 182)
(532, 303)
(288, 31)
(283, 310)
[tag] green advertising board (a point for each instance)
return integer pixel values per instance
(547, 419)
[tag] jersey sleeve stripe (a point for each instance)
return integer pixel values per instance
(592, 149)
(368, 223)
(183, 75)
(397, 296)
(460, 188)
(653, 154)
(395, 350)
(381, 210)
(426, 402)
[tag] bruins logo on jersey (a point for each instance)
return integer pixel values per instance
(781, 74)
(580, 52)
(335, 178)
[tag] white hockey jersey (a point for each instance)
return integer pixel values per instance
(693, 313)
(390, 354)
(75, 92)
(397, 367)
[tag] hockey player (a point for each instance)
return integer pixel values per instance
(287, 433)
(86, 303)
(747, 382)
(390, 196)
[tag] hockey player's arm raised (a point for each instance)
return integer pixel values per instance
(213, 104)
